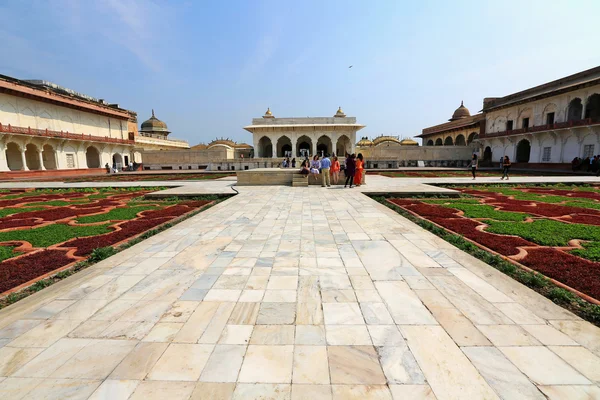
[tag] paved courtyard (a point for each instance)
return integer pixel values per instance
(295, 293)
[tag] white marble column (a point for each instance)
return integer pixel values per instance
(41, 157)
(3, 159)
(24, 161)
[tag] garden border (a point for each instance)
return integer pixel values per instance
(505, 258)
(120, 246)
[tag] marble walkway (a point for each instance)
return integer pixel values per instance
(294, 293)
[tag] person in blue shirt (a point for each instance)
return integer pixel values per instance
(325, 165)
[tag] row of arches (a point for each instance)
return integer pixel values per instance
(304, 146)
(575, 111)
(523, 153)
(34, 159)
(459, 141)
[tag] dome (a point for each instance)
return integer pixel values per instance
(364, 142)
(381, 139)
(154, 125)
(461, 112)
(339, 113)
(408, 142)
(226, 142)
(268, 113)
(242, 146)
(199, 146)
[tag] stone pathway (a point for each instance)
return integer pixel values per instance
(294, 293)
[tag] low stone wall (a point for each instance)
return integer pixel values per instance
(279, 177)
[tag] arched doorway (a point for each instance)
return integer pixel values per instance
(13, 157)
(265, 147)
(592, 106)
(460, 141)
(284, 147)
(523, 150)
(304, 147)
(92, 157)
(343, 146)
(472, 136)
(117, 161)
(49, 157)
(324, 145)
(487, 154)
(448, 141)
(32, 157)
(575, 109)
(430, 142)
(438, 142)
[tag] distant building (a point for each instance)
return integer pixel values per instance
(300, 137)
(154, 135)
(44, 126)
(461, 130)
(548, 124)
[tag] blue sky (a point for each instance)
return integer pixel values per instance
(208, 68)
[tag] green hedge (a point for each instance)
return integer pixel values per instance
(53, 234)
(546, 232)
(116, 214)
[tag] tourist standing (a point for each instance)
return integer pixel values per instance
(335, 170)
(358, 169)
(474, 165)
(325, 165)
(315, 165)
(505, 167)
(294, 162)
(350, 168)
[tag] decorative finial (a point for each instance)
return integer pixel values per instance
(153, 113)
(461, 103)
(268, 113)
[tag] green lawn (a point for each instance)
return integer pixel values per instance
(53, 234)
(7, 252)
(116, 214)
(546, 232)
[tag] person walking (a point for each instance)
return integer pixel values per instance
(335, 170)
(358, 169)
(505, 167)
(325, 165)
(350, 168)
(474, 165)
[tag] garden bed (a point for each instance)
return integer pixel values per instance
(45, 231)
(534, 227)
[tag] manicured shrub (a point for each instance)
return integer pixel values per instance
(101, 253)
(15, 272)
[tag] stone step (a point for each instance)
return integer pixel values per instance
(299, 181)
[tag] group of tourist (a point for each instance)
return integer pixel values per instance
(504, 165)
(588, 164)
(329, 169)
(288, 164)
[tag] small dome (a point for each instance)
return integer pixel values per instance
(381, 139)
(154, 125)
(268, 113)
(364, 142)
(461, 112)
(408, 142)
(199, 146)
(242, 146)
(339, 113)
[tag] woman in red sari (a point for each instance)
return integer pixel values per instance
(360, 166)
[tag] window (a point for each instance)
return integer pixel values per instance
(233, 167)
(525, 123)
(70, 160)
(550, 118)
(180, 167)
(546, 153)
(375, 165)
(509, 125)
(189, 167)
(245, 167)
(588, 151)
